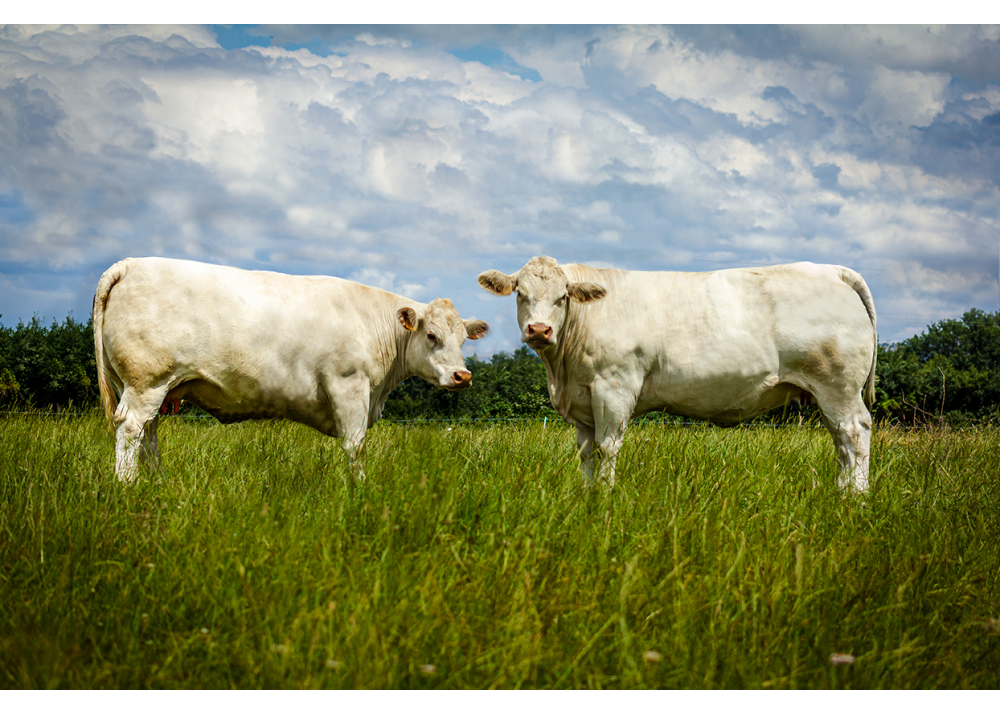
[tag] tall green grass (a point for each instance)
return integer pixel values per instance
(473, 557)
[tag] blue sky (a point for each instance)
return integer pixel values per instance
(414, 157)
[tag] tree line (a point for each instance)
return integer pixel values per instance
(949, 374)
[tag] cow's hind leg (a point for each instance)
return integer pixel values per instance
(149, 450)
(135, 436)
(850, 425)
(585, 448)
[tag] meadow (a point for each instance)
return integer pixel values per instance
(473, 557)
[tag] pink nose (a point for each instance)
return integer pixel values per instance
(461, 378)
(539, 331)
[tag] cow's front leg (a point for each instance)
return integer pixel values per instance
(350, 412)
(612, 411)
(585, 448)
(354, 447)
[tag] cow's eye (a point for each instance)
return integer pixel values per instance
(432, 337)
(562, 300)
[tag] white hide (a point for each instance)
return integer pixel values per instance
(723, 346)
(241, 345)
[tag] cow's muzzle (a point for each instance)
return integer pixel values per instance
(537, 336)
(460, 379)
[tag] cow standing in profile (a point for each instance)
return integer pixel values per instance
(241, 345)
(723, 346)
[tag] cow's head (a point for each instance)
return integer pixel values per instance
(543, 296)
(434, 350)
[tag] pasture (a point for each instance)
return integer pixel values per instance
(473, 557)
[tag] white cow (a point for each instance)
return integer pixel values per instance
(241, 345)
(723, 346)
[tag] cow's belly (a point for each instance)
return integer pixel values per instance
(252, 403)
(725, 399)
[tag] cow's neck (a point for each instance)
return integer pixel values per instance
(400, 369)
(391, 346)
(557, 376)
(572, 351)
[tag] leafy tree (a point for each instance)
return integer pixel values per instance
(505, 386)
(51, 366)
(10, 390)
(949, 373)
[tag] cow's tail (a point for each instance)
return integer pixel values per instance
(855, 281)
(109, 400)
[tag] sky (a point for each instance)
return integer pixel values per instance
(414, 157)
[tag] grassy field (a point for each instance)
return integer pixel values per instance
(472, 557)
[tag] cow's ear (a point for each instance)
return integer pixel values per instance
(586, 292)
(476, 329)
(496, 282)
(408, 317)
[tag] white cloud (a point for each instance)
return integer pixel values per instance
(400, 165)
(387, 280)
(907, 98)
(919, 47)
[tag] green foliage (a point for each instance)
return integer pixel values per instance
(505, 386)
(473, 557)
(51, 366)
(10, 389)
(948, 373)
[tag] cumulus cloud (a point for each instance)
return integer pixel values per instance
(412, 158)
(386, 280)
